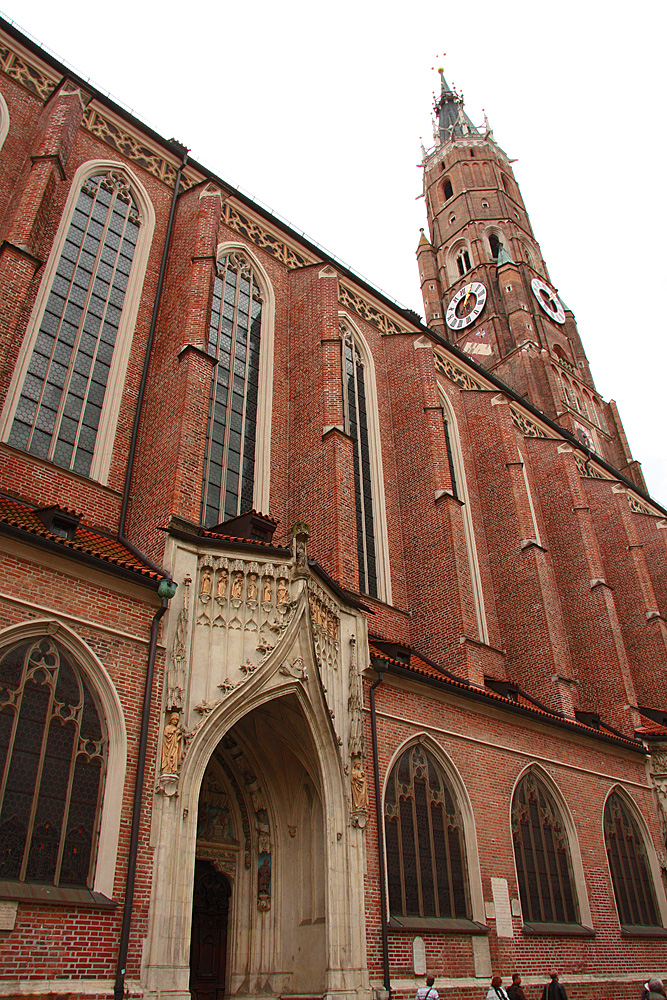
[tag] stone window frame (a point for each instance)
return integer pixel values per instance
(264, 416)
(579, 887)
(382, 563)
(652, 858)
(453, 434)
(111, 713)
(453, 253)
(106, 432)
(477, 921)
(4, 120)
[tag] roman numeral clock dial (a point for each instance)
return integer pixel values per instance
(548, 300)
(466, 306)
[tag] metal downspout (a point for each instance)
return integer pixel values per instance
(123, 946)
(144, 374)
(119, 986)
(380, 829)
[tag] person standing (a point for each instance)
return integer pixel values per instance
(428, 992)
(656, 989)
(515, 991)
(554, 990)
(496, 990)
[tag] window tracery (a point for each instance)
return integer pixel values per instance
(355, 409)
(63, 391)
(234, 340)
(426, 856)
(542, 854)
(53, 753)
(629, 866)
(463, 262)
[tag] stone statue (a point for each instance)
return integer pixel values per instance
(267, 592)
(359, 787)
(264, 877)
(283, 591)
(237, 586)
(205, 585)
(222, 584)
(252, 587)
(172, 743)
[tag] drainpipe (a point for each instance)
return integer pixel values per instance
(144, 374)
(119, 986)
(380, 829)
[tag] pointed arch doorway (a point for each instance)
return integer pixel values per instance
(208, 947)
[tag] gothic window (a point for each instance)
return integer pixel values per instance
(450, 457)
(542, 854)
(494, 245)
(447, 189)
(53, 750)
(460, 491)
(4, 120)
(463, 262)
(64, 388)
(234, 341)
(426, 857)
(355, 408)
(629, 866)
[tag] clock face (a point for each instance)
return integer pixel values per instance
(548, 300)
(466, 306)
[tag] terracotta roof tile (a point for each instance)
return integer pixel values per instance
(422, 667)
(88, 540)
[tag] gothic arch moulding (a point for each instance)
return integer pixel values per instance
(265, 387)
(554, 791)
(103, 448)
(463, 803)
(114, 720)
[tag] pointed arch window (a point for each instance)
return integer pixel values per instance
(64, 388)
(234, 340)
(629, 866)
(53, 753)
(460, 491)
(356, 415)
(542, 854)
(494, 245)
(463, 261)
(425, 842)
(447, 189)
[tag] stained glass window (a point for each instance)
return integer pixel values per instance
(542, 855)
(234, 341)
(58, 413)
(426, 860)
(356, 425)
(52, 762)
(629, 865)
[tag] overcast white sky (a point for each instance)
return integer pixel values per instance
(316, 110)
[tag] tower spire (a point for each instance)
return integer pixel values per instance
(452, 119)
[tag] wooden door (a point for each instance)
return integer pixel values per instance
(208, 948)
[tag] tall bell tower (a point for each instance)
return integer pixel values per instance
(487, 289)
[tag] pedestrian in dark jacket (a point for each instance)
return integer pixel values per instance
(656, 989)
(515, 991)
(554, 990)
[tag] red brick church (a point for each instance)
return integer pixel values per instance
(333, 644)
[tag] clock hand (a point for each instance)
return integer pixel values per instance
(468, 291)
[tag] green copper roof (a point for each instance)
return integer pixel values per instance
(503, 256)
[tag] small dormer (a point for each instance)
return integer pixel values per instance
(59, 521)
(251, 526)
